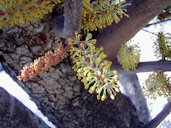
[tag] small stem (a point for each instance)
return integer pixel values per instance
(158, 22)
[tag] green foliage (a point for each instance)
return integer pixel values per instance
(14, 12)
(129, 56)
(162, 46)
(92, 68)
(157, 84)
(101, 13)
(98, 14)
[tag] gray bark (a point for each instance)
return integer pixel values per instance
(131, 88)
(161, 65)
(58, 93)
(140, 13)
(13, 114)
(67, 25)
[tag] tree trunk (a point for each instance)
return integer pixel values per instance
(58, 93)
(14, 114)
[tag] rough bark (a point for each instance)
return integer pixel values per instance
(140, 13)
(58, 93)
(160, 117)
(13, 114)
(130, 87)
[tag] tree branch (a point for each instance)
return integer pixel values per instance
(140, 13)
(158, 22)
(160, 117)
(150, 32)
(162, 65)
(14, 114)
(71, 22)
(154, 33)
(1, 68)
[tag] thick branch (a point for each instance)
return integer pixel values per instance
(160, 117)
(14, 114)
(71, 22)
(145, 67)
(130, 86)
(140, 13)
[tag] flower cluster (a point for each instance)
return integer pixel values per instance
(14, 12)
(44, 63)
(157, 84)
(101, 13)
(162, 46)
(129, 56)
(92, 68)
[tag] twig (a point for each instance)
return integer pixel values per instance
(155, 33)
(158, 22)
(150, 32)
